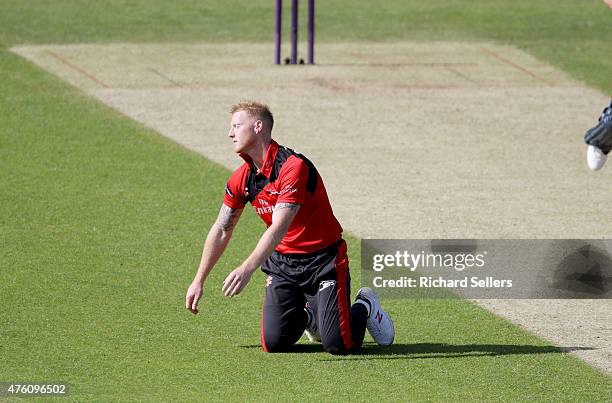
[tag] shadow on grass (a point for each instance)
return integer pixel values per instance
(296, 348)
(442, 350)
(433, 350)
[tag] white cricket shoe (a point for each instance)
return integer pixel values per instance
(380, 324)
(595, 158)
(311, 326)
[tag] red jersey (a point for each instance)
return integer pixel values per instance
(286, 177)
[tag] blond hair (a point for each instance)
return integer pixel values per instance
(255, 110)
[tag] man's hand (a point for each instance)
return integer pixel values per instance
(235, 282)
(194, 293)
(282, 216)
(216, 241)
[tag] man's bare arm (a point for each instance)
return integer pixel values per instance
(282, 216)
(218, 237)
(228, 218)
(216, 241)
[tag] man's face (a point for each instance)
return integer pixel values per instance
(608, 2)
(243, 131)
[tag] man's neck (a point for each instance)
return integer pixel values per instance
(258, 154)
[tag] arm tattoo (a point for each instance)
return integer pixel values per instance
(291, 206)
(228, 217)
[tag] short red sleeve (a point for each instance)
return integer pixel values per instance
(234, 191)
(292, 179)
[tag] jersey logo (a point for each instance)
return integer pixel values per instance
(327, 283)
(265, 207)
(282, 192)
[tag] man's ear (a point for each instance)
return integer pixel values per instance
(258, 126)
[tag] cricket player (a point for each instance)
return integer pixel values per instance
(302, 250)
(599, 140)
(599, 137)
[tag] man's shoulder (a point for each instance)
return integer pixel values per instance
(242, 169)
(239, 173)
(292, 164)
(286, 155)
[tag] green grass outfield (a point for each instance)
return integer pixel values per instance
(102, 224)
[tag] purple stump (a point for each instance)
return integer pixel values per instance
(294, 31)
(277, 35)
(311, 30)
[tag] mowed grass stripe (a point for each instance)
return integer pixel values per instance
(101, 232)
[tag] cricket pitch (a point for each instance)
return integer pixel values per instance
(414, 140)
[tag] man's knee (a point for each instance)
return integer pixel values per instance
(274, 342)
(338, 344)
(334, 345)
